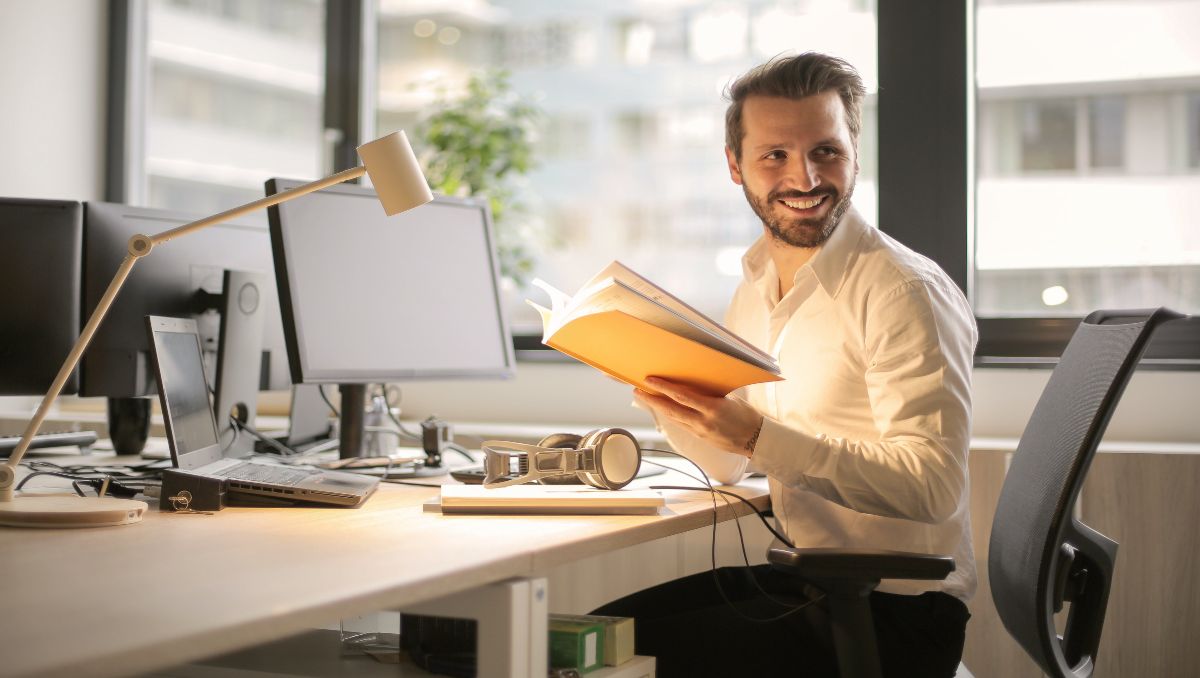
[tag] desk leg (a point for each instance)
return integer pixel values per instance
(513, 618)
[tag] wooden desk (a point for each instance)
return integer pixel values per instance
(179, 587)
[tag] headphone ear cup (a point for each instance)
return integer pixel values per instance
(592, 478)
(564, 440)
(618, 458)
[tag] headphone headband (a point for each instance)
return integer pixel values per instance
(606, 458)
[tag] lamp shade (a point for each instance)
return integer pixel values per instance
(394, 171)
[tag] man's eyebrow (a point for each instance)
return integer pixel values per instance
(828, 141)
(769, 146)
(831, 141)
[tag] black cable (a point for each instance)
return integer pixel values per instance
(282, 450)
(321, 390)
(235, 424)
(450, 445)
(56, 474)
(793, 608)
(713, 548)
(709, 488)
(122, 487)
(399, 481)
(237, 434)
(761, 516)
(387, 402)
(148, 471)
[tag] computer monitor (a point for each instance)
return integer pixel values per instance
(39, 292)
(370, 298)
(181, 278)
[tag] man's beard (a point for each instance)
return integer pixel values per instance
(799, 232)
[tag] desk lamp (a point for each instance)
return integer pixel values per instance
(400, 186)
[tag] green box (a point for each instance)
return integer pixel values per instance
(576, 645)
(618, 635)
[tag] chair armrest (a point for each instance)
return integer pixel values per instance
(857, 564)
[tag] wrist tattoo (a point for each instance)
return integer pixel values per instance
(753, 439)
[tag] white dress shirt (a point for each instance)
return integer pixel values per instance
(865, 441)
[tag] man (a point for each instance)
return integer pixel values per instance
(865, 442)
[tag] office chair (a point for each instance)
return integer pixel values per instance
(1040, 554)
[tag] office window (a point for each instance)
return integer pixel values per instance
(629, 159)
(1048, 135)
(1082, 200)
(1106, 132)
(234, 94)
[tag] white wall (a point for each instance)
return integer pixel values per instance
(52, 98)
(52, 79)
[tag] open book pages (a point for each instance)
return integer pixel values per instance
(630, 328)
(617, 273)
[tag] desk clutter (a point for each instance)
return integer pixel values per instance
(578, 644)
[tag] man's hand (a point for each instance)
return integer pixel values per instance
(730, 424)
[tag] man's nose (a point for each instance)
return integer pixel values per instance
(802, 175)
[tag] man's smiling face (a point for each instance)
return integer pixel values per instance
(797, 166)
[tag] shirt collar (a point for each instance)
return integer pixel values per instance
(830, 264)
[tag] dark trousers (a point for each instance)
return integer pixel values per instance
(691, 629)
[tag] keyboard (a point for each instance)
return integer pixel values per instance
(265, 473)
(80, 438)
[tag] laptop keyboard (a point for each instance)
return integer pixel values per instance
(264, 473)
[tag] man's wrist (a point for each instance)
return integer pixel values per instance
(748, 448)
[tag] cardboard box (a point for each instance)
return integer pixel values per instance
(576, 645)
(618, 635)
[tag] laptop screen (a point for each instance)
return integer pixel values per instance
(183, 390)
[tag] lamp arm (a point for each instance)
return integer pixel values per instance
(139, 246)
(346, 175)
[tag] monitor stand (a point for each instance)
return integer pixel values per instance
(352, 419)
(239, 357)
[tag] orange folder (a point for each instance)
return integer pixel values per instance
(631, 350)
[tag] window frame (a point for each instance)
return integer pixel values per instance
(926, 53)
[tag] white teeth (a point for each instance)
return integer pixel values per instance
(803, 204)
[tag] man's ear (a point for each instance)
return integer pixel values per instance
(735, 172)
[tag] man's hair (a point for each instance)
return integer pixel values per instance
(795, 77)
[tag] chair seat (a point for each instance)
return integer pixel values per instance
(858, 564)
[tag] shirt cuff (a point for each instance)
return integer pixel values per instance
(782, 452)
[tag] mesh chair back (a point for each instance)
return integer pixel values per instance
(1039, 554)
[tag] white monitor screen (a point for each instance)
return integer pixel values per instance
(367, 297)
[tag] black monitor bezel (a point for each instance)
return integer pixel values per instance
(120, 372)
(41, 319)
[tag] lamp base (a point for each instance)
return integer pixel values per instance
(69, 511)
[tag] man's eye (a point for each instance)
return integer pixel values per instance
(827, 152)
(775, 155)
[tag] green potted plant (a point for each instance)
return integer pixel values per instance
(480, 145)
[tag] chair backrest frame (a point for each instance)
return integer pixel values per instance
(1040, 555)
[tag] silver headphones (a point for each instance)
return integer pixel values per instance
(607, 458)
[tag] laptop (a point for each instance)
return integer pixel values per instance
(194, 443)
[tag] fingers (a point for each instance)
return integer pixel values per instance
(685, 395)
(663, 404)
